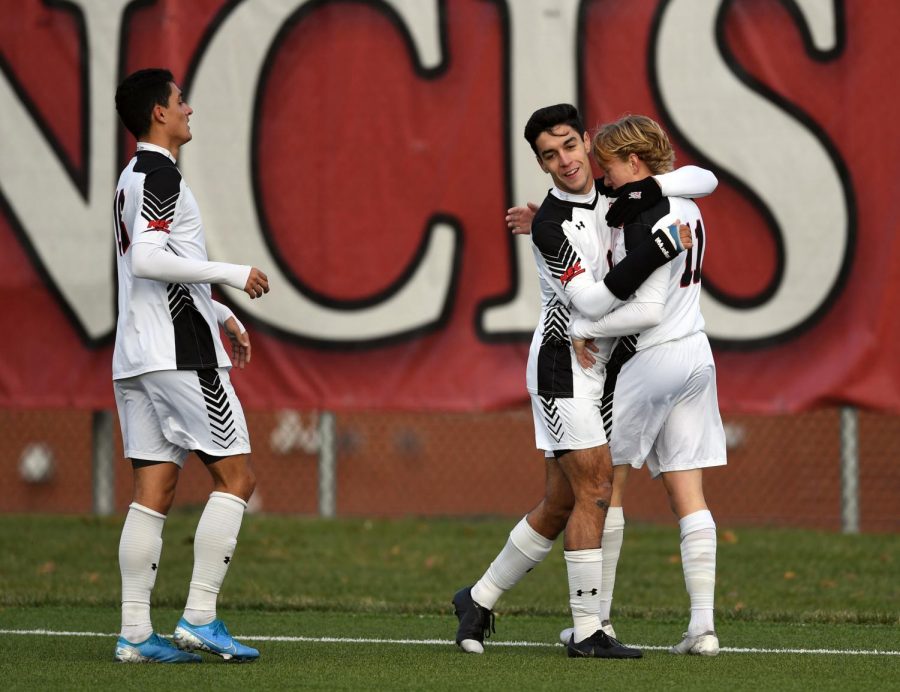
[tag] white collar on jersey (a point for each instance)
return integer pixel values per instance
(586, 198)
(146, 146)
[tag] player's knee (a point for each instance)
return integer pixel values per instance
(596, 492)
(244, 485)
(558, 511)
(250, 483)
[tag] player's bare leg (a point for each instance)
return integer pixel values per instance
(613, 534)
(698, 558)
(529, 543)
(590, 474)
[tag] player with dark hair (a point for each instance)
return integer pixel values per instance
(170, 377)
(571, 245)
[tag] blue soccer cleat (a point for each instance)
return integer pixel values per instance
(213, 638)
(154, 649)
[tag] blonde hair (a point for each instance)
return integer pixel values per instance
(635, 134)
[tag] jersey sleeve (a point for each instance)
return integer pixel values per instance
(687, 181)
(643, 311)
(224, 313)
(568, 271)
(152, 261)
(156, 216)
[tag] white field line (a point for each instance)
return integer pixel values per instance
(449, 642)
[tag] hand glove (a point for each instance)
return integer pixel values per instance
(633, 198)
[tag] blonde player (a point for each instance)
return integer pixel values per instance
(661, 379)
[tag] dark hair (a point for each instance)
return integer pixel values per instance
(138, 93)
(545, 119)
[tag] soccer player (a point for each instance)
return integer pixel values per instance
(661, 380)
(571, 245)
(170, 376)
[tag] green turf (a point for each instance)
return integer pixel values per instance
(393, 579)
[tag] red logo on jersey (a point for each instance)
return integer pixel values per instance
(571, 273)
(159, 225)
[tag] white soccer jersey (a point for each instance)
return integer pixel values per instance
(571, 245)
(675, 285)
(671, 293)
(161, 326)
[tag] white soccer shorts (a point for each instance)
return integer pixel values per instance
(566, 423)
(666, 411)
(168, 413)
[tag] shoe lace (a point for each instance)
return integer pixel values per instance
(487, 623)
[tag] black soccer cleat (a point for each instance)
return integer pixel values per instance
(600, 645)
(475, 622)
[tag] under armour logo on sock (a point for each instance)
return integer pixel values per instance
(153, 566)
(580, 224)
(592, 592)
(227, 560)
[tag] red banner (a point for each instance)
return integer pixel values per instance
(363, 154)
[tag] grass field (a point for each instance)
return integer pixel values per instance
(364, 604)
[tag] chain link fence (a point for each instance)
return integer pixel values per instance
(795, 470)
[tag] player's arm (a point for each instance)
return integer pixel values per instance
(156, 221)
(643, 311)
(646, 308)
(152, 261)
(633, 198)
(687, 181)
(661, 247)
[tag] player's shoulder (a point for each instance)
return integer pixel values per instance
(555, 211)
(658, 211)
(683, 207)
(161, 175)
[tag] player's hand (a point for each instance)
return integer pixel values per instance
(240, 343)
(584, 352)
(632, 199)
(257, 283)
(685, 235)
(518, 219)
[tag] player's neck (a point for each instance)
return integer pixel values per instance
(163, 141)
(570, 196)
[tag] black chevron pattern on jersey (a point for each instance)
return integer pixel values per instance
(550, 414)
(162, 185)
(194, 347)
(154, 208)
(221, 422)
(180, 299)
(554, 360)
(561, 260)
(556, 322)
(621, 354)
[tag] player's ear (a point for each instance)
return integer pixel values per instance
(541, 164)
(634, 162)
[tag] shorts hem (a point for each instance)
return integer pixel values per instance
(219, 452)
(579, 446)
(710, 463)
(148, 456)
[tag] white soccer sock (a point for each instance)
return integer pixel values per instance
(524, 550)
(698, 558)
(139, 549)
(585, 570)
(613, 533)
(214, 545)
